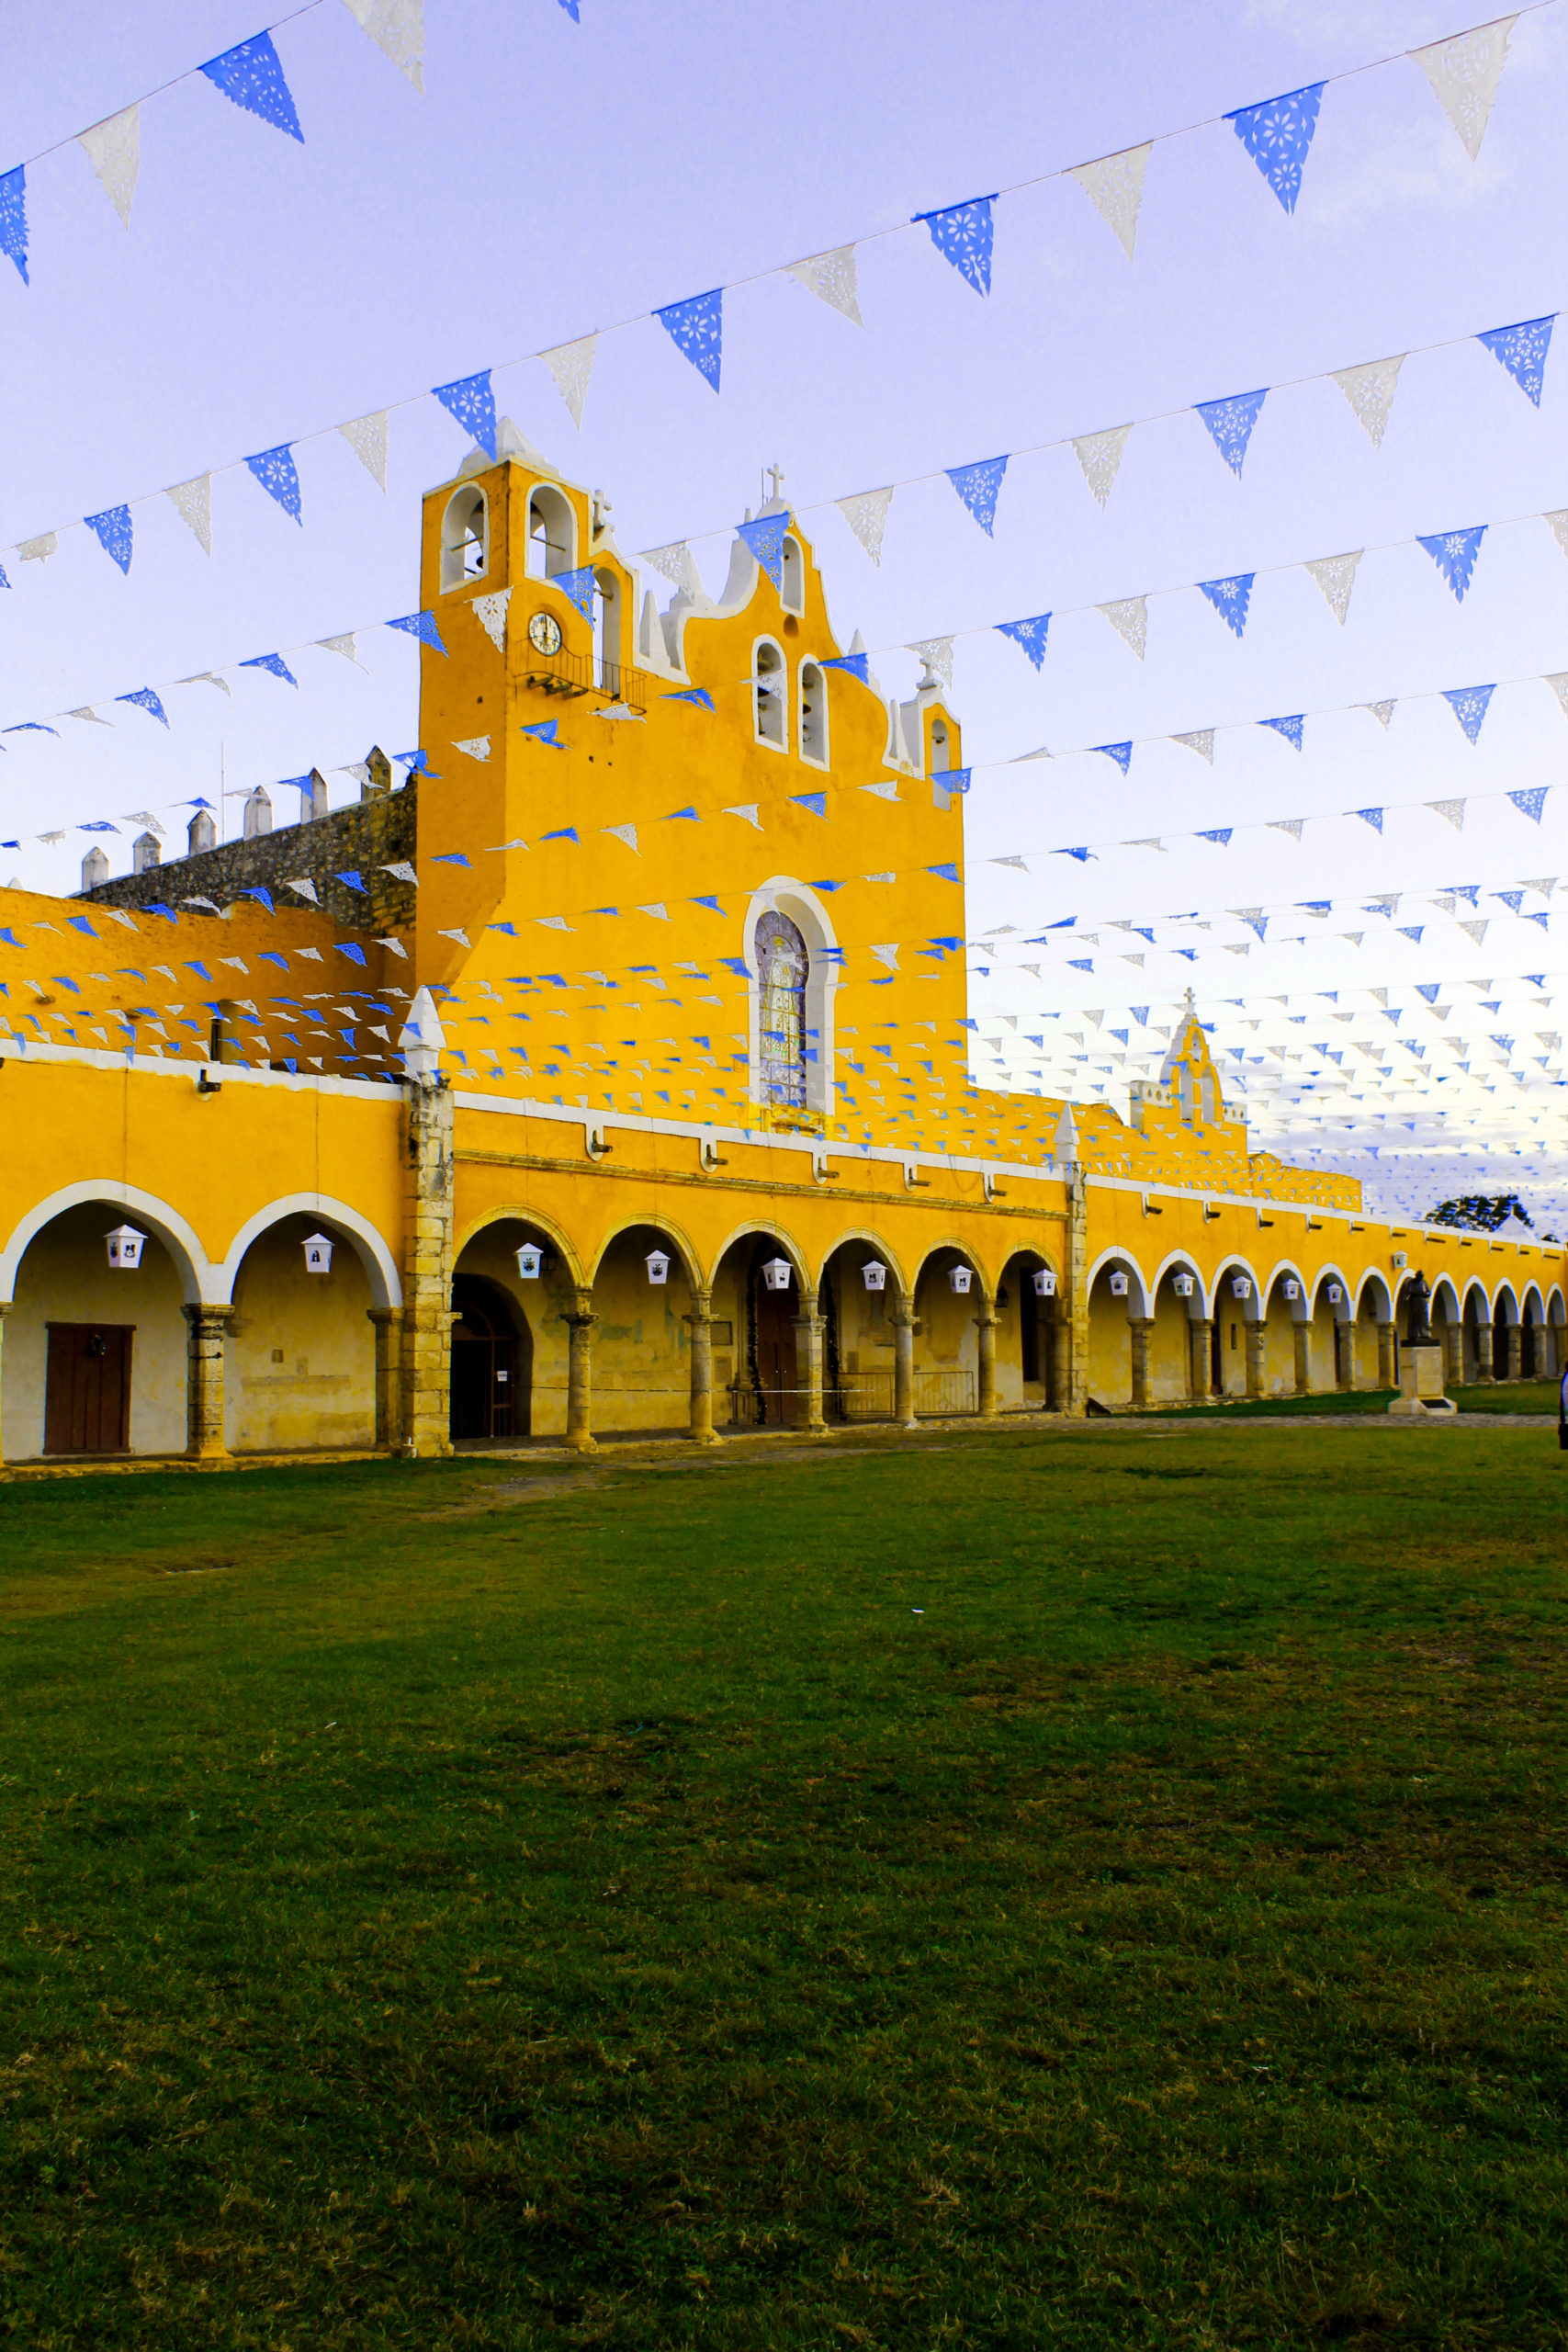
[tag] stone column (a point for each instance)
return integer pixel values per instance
(1077, 1398)
(1140, 1327)
(1058, 1395)
(702, 1430)
(810, 1348)
(1387, 1377)
(1516, 1351)
(985, 1360)
(389, 1323)
(1200, 1356)
(1257, 1338)
(1344, 1352)
(904, 1328)
(426, 1383)
(206, 1327)
(580, 1319)
(1453, 1354)
(1484, 1374)
(1303, 1358)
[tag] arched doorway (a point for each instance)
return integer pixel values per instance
(492, 1364)
(775, 1368)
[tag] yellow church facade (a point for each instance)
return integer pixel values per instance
(613, 1074)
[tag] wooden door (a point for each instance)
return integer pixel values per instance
(87, 1389)
(776, 1310)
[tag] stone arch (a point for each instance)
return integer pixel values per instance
(949, 1245)
(1032, 1335)
(465, 538)
(524, 1212)
(764, 1229)
(1177, 1348)
(199, 1279)
(1445, 1299)
(947, 1356)
(550, 533)
(761, 1374)
(341, 1223)
(1287, 1271)
(1119, 1260)
(1505, 1304)
(770, 701)
(1374, 1287)
(1182, 1261)
(873, 1242)
(539, 1305)
(1225, 1297)
(681, 1248)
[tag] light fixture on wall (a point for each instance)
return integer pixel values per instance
(317, 1254)
(1182, 1285)
(1336, 1296)
(658, 1266)
(961, 1277)
(777, 1274)
(1118, 1286)
(529, 1259)
(1044, 1282)
(873, 1273)
(124, 1246)
(1292, 1290)
(1240, 1286)
(1401, 1260)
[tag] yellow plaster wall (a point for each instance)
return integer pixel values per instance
(65, 1277)
(1168, 1348)
(1110, 1345)
(300, 1363)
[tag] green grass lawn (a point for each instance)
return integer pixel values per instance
(1097, 1889)
(1511, 1397)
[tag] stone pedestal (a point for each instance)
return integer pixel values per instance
(1420, 1394)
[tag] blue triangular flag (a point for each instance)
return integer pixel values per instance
(1230, 598)
(951, 779)
(356, 955)
(765, 537)
(273, 469)
(145, 700)
(472, 402)
(1469, 706)
(816, 802)
(1522, 350)
(696, 328)
(562, 834)
(255, 891)
(423, 626)
(698, 694)
(857, 664)
(1221, 833)
(1081, 963)
(1230, 424)
(97, 825)
(943, 873)
(977, 486)
(1083, 856)
(30, 727)
(351, 876)
(1431, 989)
(961, 234)
(273, 664)
(1291, 729)
(578, 585)
(1512, 899)
(417, 763)
(449, 858)
(571, 9)
(1277, 134)
(1030, 635)
(251, 76)
(113, 532)
(1121, 752)
(1372, 817)
(1529, 804)
(691, 813)
(708, 902)
(544, 731)
(14, 218)
(1454, 553)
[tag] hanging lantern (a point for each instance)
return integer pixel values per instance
(1336, 1296)
(1118, 1286)
(1401, 1260)
(961, 1278)
(124, 1246)
(529, 1258)
(1240, 1286)
(1292, 1290)
(778, 1273)
(875, 1274)
(658, 1266)
(1182, 1285)
(1044, 1282)
(317, 1254)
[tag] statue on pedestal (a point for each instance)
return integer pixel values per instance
(1419, 1332)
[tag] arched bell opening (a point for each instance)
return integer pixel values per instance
(492, 1364)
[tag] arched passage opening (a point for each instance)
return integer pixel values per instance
(97, 1354)
(1118, 1301)
(1477, 1336)
(531, 1290)
(768, 1331)
(492, 1363)
(300, 1354)
(1505, 1346)
(1177, 1354)
(1032, 1336)
(949, 1299)
(642, 1307)
(859, 1300)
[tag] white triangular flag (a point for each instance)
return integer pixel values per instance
(1114, 185)
(366, 436)
(1369, 390)
(193, 503)
(571, 365)
(306, 889)
(397, 27)
(883, 791)
(91, 716)
(1383, 712)
(831, 277)
(748, 811)
(490, 614)
(659, 910)
(1292, 825)
(676, 563)
(626, 833)
(39, 550)
(1100, 455)
(344, 645)
(866, 514)
(1477, 931)
(1558, 523)
(207, 678)
(476, 746)
(114, 150)
(1201, 740)
(1464, 72)
(1558, 682)
(1452, 810)
(888, 954)
(936, 652)
(1153, 842)
(1128, 616)
(1335, 575)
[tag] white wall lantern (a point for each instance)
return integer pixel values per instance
(658, 1266)
(1292, 1290)
(875, 1274)
(124, 1246)
(1336, 1296)
(1240, 1286)
(317, 1254)
(1182, 1285)
(1044, 1282)
(1118, 1286)
(528, 1262)
(1401, 1260)
(778, 1273)
(961, 1277)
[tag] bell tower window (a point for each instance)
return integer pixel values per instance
(783, 965)
(770, 682)
(552, 533)
(464, 538)
(813, 714)
(792, 592)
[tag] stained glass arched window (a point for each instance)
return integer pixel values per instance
(782, 967)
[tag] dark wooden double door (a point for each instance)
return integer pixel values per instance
(492, 1364)
(87, 1389)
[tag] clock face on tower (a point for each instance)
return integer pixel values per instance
(543, 633)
